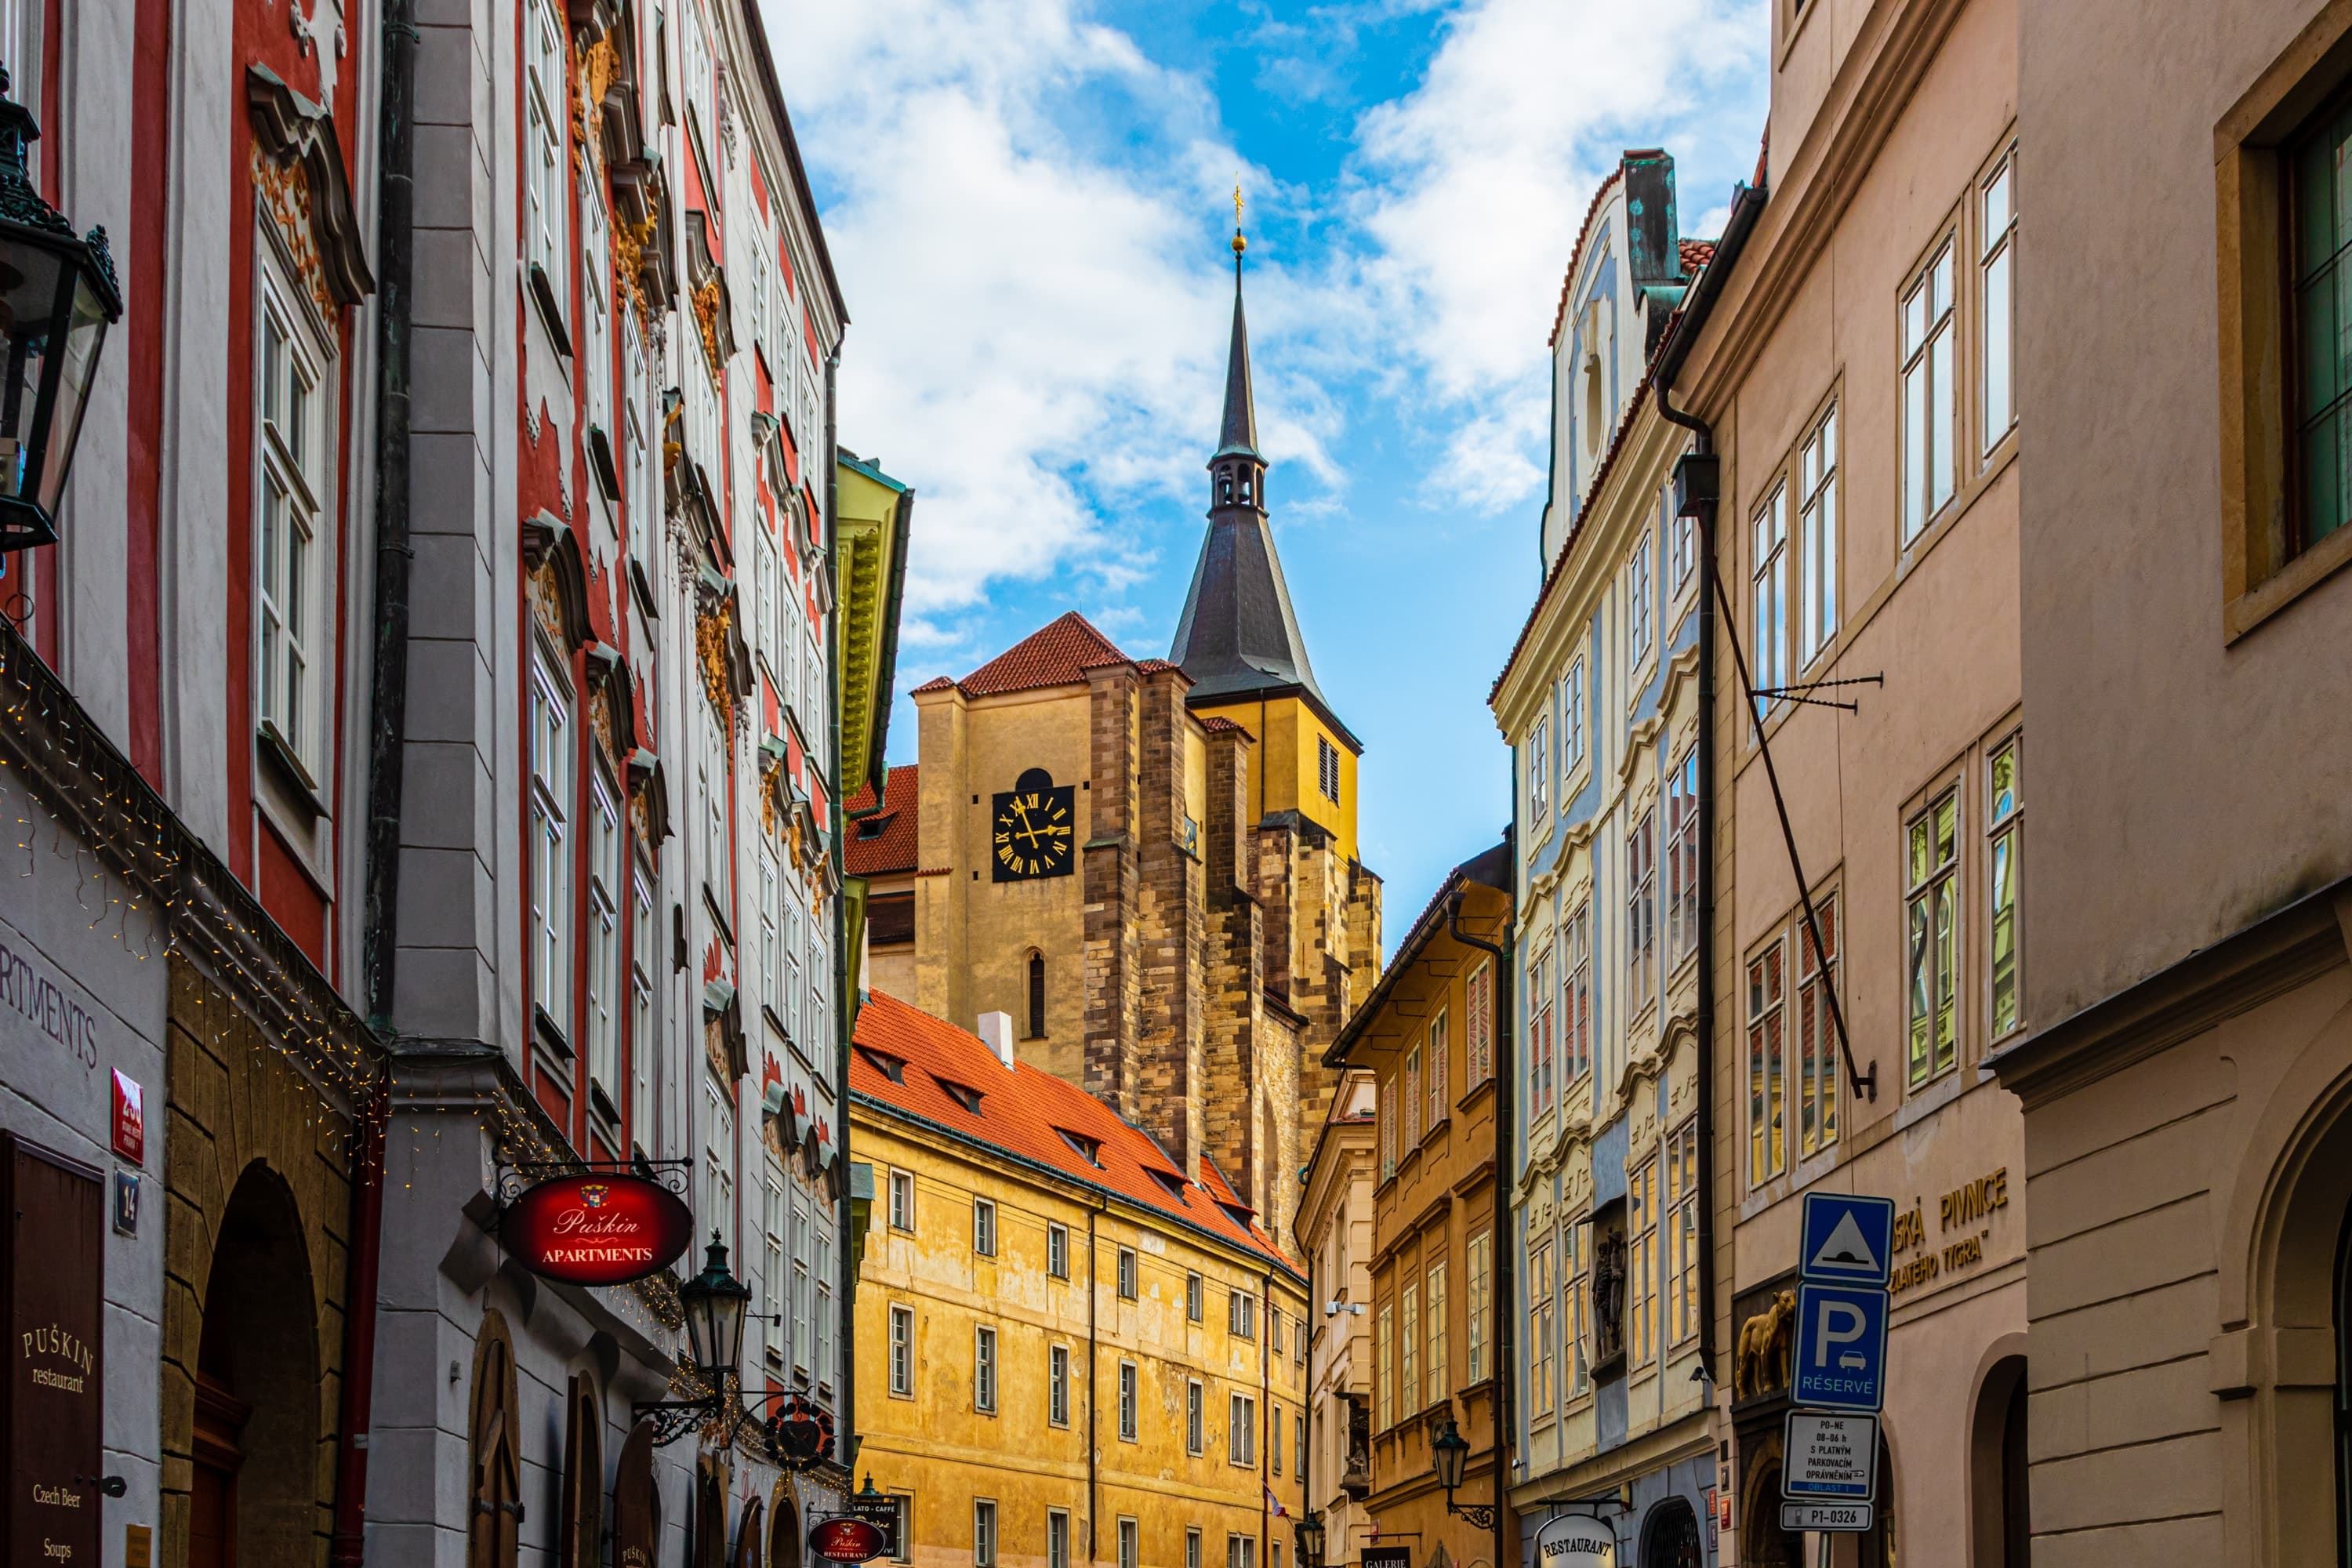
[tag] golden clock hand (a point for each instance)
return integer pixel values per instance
(1027, 831)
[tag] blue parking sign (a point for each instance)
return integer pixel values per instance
(1840, 1354)
(1847, 1239)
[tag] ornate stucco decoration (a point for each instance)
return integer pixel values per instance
(708, 300)
(559, 583)
(295, 134)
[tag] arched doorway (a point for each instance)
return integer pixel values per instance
(783, 1529)
(1880, 1542)
(252, 1492)
(747, 1535)
(1762, 1542)
(495, 1470)
(1670, 1537)
(1997, 1469)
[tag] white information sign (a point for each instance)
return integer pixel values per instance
(1825, 1516)
(1829, 1457)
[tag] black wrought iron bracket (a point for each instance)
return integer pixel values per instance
(511, 1179)
(675, 1418)
(1479, 1514)
(1796, 693)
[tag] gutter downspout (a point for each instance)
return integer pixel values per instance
(1747, 206)
(387, 742)
(1506, 1109)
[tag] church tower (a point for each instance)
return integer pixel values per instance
(1238, 638)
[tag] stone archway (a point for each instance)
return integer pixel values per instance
(253, 1491)
(783, 1529)
(1762, 1542)
(1670, 1537)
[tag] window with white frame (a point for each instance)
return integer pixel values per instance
(1769, 574)
(1412, 1099)
(902, 1201)
(717, 1152)
(1932, 938)
(636, 442)
(1196, 1416)
(1817, 538)
(1641, 911)
(823, 1316)
(772, 912)
(1685, 538)
(604, 938)
(902, 1353)
(717, 844)
(984, 1227)
(803, 1341)
(2005, 826)
(1241, 1552)
(1576, 1332)
(1543, 1318)
(596, 305)
(1057, 1251)
(1640, 612)
(1058, 1538)
(292, 449)
(1438, 1075)
(1274, 1439)
(1385, 1367)
(1817, 1050)
(1996, 287)
(1642, 1261)
(1576, 998)
(1680, 1218)
(1478, 1268)
(1929, 427)
(1409, 1346)
(1057, 1386)
(787, 991)
(1478, 995)
(644, 964)
(1129, 1548)
(774, 1249)
(1539, 769)
(1241, 1429)
(1437, 1371)
(1682, 860)
(694, 64)
(1193, 1295)
(547, 185)
(1191, 1548)
(552, 761)
(983, 1533)
(983, 1371)
(1128, 1282)
(1768, 1150)
(1571, 716)
(1127, 1402)
(767, 575)
(1241, 1315)
(1542, 1035)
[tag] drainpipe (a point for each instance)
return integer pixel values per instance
(1697, 491)
(1505, 1108)
(387, 737)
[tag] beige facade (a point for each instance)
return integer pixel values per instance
(1853, 375)
(1334, 1233)
(2186, 1081)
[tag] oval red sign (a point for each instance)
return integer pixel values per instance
(845, 1540)
(598, 1230)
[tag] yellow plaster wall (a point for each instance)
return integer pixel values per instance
(1284, 768)
(933, 1445)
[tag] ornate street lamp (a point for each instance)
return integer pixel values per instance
(1310, 1540)
(1450, 1453)
(58, 296)
(715, 1302)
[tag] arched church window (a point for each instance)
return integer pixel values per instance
(1036, 995)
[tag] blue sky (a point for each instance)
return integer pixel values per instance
(1028, 200)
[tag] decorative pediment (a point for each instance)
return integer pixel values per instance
(299, 134)
(608, 673)
(559, 581)
(649, 796)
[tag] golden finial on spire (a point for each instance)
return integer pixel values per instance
(1240, 244)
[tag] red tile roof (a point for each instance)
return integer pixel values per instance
(1696, 253)
(884, 842)
(1024, 1112)
(1057, 654)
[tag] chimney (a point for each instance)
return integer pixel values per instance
(1654, 243)
(996, 1030)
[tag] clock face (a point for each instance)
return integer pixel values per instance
(1033, 830)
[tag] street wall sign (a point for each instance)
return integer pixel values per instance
(1827, 1516)
(1829, 1458)
(1385, 1557)
(1848, 1239)
(1841, 1349)
(846, 1540)
(1576, 1541)
(606, 1228)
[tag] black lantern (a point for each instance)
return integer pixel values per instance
(714, 1300)
(1310, 1540)
(1450, 1453)
(58, 296)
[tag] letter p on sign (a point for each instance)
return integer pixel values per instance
(1841, 1360)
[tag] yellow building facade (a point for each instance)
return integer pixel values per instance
(1072, 1353)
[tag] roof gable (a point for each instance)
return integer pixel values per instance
(1057, 654)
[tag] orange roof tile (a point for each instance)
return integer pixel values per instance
(1057, 654)
(884, 842)
(1696, 253)
(1025, 1112)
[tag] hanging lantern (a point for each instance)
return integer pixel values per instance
(58, 296)
(714, 1300)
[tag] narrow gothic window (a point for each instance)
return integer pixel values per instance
(1036, 995)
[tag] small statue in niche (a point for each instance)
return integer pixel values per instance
(1609, 1298)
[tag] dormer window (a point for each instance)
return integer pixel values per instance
(962, 1094)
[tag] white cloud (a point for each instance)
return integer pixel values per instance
(1474, 185)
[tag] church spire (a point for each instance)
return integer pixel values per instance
(1238, 638)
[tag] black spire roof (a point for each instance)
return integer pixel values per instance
(1238, 636)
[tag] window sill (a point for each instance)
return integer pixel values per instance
(550, 1033)
(293, 776)
(2283, 586)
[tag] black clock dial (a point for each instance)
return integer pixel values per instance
(1033, 830)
